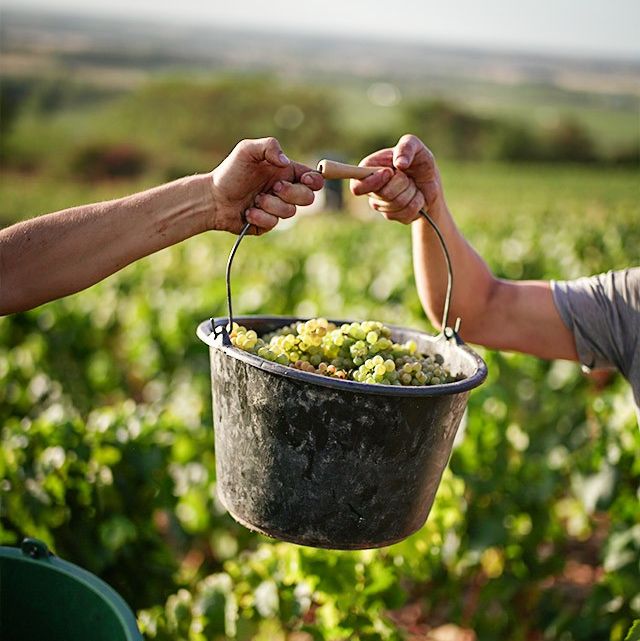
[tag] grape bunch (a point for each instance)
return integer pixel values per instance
(362, 352)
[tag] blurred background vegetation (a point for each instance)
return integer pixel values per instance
(107, 446)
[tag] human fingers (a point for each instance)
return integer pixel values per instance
(395, 187)
(397, 204)
(293, 193)
(264, 149)
(263, 221)
(377, 180)
(373, 183)
(380, 158)
(406, 214)
(312, 179)
(275, 206)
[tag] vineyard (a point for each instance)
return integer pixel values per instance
(107, 447)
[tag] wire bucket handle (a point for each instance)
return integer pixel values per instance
(331, 169)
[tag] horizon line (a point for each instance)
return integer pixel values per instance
(573, 54)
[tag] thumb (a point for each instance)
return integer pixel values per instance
(264, 149)
(405, 151)
(273, 153)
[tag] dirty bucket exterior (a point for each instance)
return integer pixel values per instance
(43, 597)
(331, 463)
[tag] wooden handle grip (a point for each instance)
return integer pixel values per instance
(332, 169)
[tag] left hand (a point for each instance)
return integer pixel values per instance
(259, 184)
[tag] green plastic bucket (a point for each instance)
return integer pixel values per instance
(43, 597)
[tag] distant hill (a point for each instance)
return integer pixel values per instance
(118, 54)
(109, 42)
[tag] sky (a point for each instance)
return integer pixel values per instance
(600, 28)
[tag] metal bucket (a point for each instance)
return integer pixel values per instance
(325, 462)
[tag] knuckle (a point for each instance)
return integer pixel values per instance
(241, 147)
(246, 143)
(404, 199)
(393, 215)
(418, 200)
(404, 216)
(401, 184)
(253, 214)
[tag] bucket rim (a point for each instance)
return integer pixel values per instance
(110, 599)
(205, 334)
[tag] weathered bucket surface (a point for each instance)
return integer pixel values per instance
(331, 463)
(44, 597)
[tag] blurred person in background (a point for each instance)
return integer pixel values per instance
(594, 320)
(64, 252)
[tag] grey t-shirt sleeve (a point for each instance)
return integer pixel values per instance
(603, 312)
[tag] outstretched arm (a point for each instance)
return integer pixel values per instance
(61, 253)
(500, 314)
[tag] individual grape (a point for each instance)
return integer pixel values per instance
(356, 331)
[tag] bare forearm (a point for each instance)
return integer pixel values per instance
(473, 281)
(61, 253)
(500, 314)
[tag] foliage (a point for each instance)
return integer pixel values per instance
(634, 631)
(173, 125)
(457, 133)
(96, 162)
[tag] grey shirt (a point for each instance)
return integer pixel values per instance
(603, 312)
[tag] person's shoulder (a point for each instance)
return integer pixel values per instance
(619, 289)
(625, 283)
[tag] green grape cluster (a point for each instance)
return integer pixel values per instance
(363, 352)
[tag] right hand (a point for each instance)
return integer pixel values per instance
(414, 184)
(258, 184)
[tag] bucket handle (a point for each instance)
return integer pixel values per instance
(328, 168)
(220, 331)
